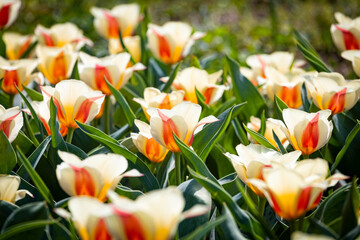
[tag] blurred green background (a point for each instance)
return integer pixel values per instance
(238, 28)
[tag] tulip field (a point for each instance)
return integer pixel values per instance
(123, 127)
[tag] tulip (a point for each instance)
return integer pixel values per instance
(286, 86)
(346, 33)
(43, 112)
(271, 125)
(93, 176)
(132, 44)
(354, 57)
(172, 41)
(182, 120)
(156, 99)
(154, 215)
(60, 35)
(11, 121)
(88, 215)
(331, 91)
(252, 159)
(115, 68)
(74, 101)
(281, 61)
(56, 63)
(9, 10)
(17, 44)
(307, 132)
(17, 73)
(9, 192)
(193, 78)
(146, 144)
(307, 236)
(293, 192)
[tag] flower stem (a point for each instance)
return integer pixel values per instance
(261, 206)
(153, 167)
(305, 156)
(177, 168)
(11, 100)
(69, 135)
(106, 115)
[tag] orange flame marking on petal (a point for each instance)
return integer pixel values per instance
(263, 65)
(165, 103)
(337, 102)
(351, 43)
(164, 47)
(113, 25)
(11, 80)
(290, 96)
(4, 15)
(59, 69)
(101, 231)
(208, 93)
(261, 177)
(168, 128)
(24, 47)
(5, 125)
(84, 109)
(48, 39)
(316, 202)
(153, 151)
(132, 226)
(275, 206)
(84, 184)
(303, 199)
(100, 73)
(310, 136)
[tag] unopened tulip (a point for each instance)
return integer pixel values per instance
(286, 86)
(17, 44)
(56, 63)
(153, 216)
(292, 192)
(182, 120)
(114, 68)
(271, 125)
(132, 44)
(332, 91)
(193, 78)
(146, 144)
(9, 10)
(93, 176)
(307, 132)
(252, 159)
(172, 41)
(17, 73)
(11, 121)
(74, 101)
(9, 192)
(60, 35)
(156, 99)
(346, 34)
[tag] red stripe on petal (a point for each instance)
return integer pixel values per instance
(5, 125)
(101, 231)
(169, 128)
(263, 65)
(208, 93)
(11, 79)
(100, 73)
(303, 199)
(316, 202)
(84, 109)
(132, 226)
(310, 136)
(4, 15)
(84, 184)
(24, 46)
(164, 47)
(48, 39)
(290, 95)
(350, 40)
(60, 114)
(59, 68)
(337, 102)
(113, 25)
(275, 204)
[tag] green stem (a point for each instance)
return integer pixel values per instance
(106, 115)
(305, 156)
(177, 167)
(11, 100)
(70, 134)
(293, 226)
(153, 167)
(262, 204)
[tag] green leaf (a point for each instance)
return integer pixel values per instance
(166, 87)
(263, 124)
(353, 234)
(90, 129)
(6, 208)
(350, 213)
(57, 140)
(39, 183)
(245, 91)
(278, 143)
(201, 101)
(279, 106)
(29, 130)
(240, 133)
(2, 46)
(310, 54)
(304, 98)
(244, 220)
(206, 138)
(228, 228)
(317, 227)
(7, 153)
(129, 114)
(128, 192)
(202, 231)
(29, 50)
(259, 138)
(34, 95)
(75, 73)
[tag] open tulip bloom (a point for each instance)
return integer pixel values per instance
(17, 44)
(114, 68)
(307, 132)
(331, 91)
(292, 192)
(9, 10)
(346, 34)
(93, 176)
(9, 186)
(172, 41)
(11, 121)
(354, 57)
(182, 120)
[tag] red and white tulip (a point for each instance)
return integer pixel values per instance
(11, 121)
(346, 33)
(9, 10)
(17, 44)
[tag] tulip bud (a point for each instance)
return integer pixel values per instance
(11, 121)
